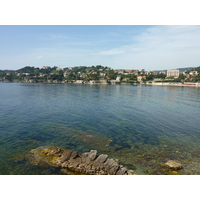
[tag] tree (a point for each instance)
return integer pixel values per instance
(142, 71)
(149, 77)
(133, 77)
(112, 74)
(28, 69)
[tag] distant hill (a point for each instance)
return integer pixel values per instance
(185, 69)
(180, 69)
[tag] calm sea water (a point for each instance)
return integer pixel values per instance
(141, 126)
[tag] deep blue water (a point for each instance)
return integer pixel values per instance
(141, 126)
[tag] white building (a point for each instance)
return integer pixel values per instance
(118, 78)
(173, 73)
(139, 78)
(193, 73)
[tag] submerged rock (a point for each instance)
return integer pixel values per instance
(68, 160)
(173, 165)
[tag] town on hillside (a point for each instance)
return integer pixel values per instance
(99, 75)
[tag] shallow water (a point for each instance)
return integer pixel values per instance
(141, 126)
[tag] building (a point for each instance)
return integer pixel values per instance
(173, 73)
(102, 74)
(139, 78)
(125, 79)
(147, 72)
(114, 81)
(162, 72)
(79, 81)
(193, 73)
(118, 78)
(129, 70)
(154, 73)
(157, 79)
(104, 81)
(119, 71)
(58, 69)
(46, 67)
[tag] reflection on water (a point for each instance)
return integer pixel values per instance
(142, 127)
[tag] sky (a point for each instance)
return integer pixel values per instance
(152, 47)
(149, 47)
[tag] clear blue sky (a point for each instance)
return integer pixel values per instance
(120, 46)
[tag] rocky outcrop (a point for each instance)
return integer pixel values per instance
(173, 165)
(88, 163)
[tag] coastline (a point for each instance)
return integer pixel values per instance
(188, 84)
(97, 82)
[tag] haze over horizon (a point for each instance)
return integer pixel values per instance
(116, 46)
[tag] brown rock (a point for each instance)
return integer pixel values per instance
(74, 154)
(66, 156)
(173, 165)
(88, 168)
(100, 160)
(111, 166)
(113, 170)
(87, 163)
(74, 161)
(91, 156)
(122, 171)
(84, 156)
(64, 164)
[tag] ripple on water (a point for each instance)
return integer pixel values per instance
(142, 127)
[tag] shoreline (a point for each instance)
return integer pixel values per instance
(189, 84)
(96, 82)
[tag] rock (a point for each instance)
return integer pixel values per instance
(111, 166)
(87, 163)
(74, 154)
(66, 156)
(84, 156)
(51, 151)
(113, 170)
(122, 171)
(100, 160)
(75, 161)
(91, 156)
(173, 165)
(64, 164)
(35, 159)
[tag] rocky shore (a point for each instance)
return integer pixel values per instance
(71, 162)
(89, 163)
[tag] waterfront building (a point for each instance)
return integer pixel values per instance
(118, 78)
(79, 81)
(173, 73)
(139, 78)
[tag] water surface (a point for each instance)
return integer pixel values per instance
(141, 126)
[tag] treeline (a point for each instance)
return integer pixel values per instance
(55, 74)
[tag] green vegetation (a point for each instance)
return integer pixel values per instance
(97, 73)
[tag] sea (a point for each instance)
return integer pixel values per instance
(141, 127)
